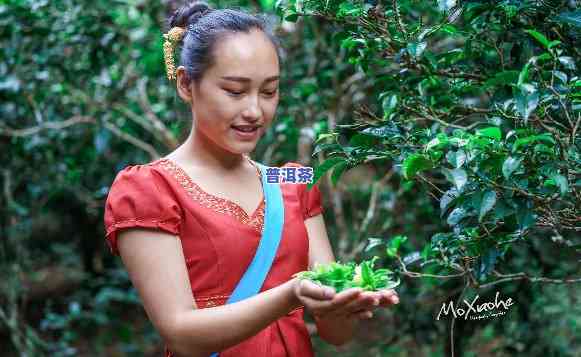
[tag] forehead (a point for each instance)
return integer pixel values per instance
(241, 54)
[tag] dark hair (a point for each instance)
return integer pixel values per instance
(204, 26)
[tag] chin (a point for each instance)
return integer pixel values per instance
(247, 149)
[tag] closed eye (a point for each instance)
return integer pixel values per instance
(234, 93)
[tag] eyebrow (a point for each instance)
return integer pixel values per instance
(246, 80)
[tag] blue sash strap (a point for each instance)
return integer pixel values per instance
(253, 279)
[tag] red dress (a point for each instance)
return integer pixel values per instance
(219, 241)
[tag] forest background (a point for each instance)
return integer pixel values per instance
(444, 135)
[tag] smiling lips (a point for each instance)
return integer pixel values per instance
(246, 128)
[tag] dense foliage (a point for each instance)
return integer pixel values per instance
(449, 129)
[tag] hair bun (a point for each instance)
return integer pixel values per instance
(189, 14)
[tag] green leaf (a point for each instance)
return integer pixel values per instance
(487, 262)
(488, 202)
(446, 200)
(525, 216)
(350, 42)
(324, 167)
(492, 132)
(502, 78)
(394, 244)
(327, 146)
(524, 73)
(527, 100)
(546, 138)
(457, 176)
(449, 28)
(291, 16)
(372, 243)
(554, 43)
(456, 216)
(362, 140)
(416, 49)
(539, 37)
(567, 62)
(562, 183)
(366, 274)
(414, 164)
(510, 165)
(338, 172)
(389, 104)
(440, 141)
(562, 76)
(348, 9)
(446, 5)
(324, 136)
(385, 131)
(456, 158)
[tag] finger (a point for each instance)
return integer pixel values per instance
(336, 305)
(314, 291)
(364, 315)
(345, 297)
(388, 297)
(365, 301)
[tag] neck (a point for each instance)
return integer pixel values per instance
(198, 150)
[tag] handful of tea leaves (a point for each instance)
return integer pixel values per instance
(349, 275)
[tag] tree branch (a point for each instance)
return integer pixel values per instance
(133, 140)
(77, 119)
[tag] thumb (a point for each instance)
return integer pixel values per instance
(316, 291)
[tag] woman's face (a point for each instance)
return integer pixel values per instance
(239, 89)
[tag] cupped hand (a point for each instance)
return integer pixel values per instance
(324, 302)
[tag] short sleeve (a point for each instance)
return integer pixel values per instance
(311, 201)
(139, 198)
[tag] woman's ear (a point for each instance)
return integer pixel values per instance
(183, 85)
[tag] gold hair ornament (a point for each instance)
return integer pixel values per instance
(172, 37)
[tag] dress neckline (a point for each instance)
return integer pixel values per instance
(217, 203)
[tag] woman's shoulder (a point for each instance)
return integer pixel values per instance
(144, 175)
(136, 169)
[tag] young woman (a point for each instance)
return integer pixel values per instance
(187, 226)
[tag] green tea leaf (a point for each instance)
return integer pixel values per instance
(414, 164)
(372, 243)
(539, 37)
(394, 244)
(488, 202)
(510, 165)
(492, 132)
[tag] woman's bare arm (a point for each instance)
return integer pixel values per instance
(156, 266)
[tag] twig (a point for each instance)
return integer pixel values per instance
(398, 21)
(133, 140)
(436, 119)
(77, 119)
(562, 105)
(574, 133)
(461, 75)
(431, 184)
(169, 139)
(413, 274)
(135, 118)
(525, 276)
(373, 200)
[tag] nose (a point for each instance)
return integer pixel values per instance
(253, 111)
